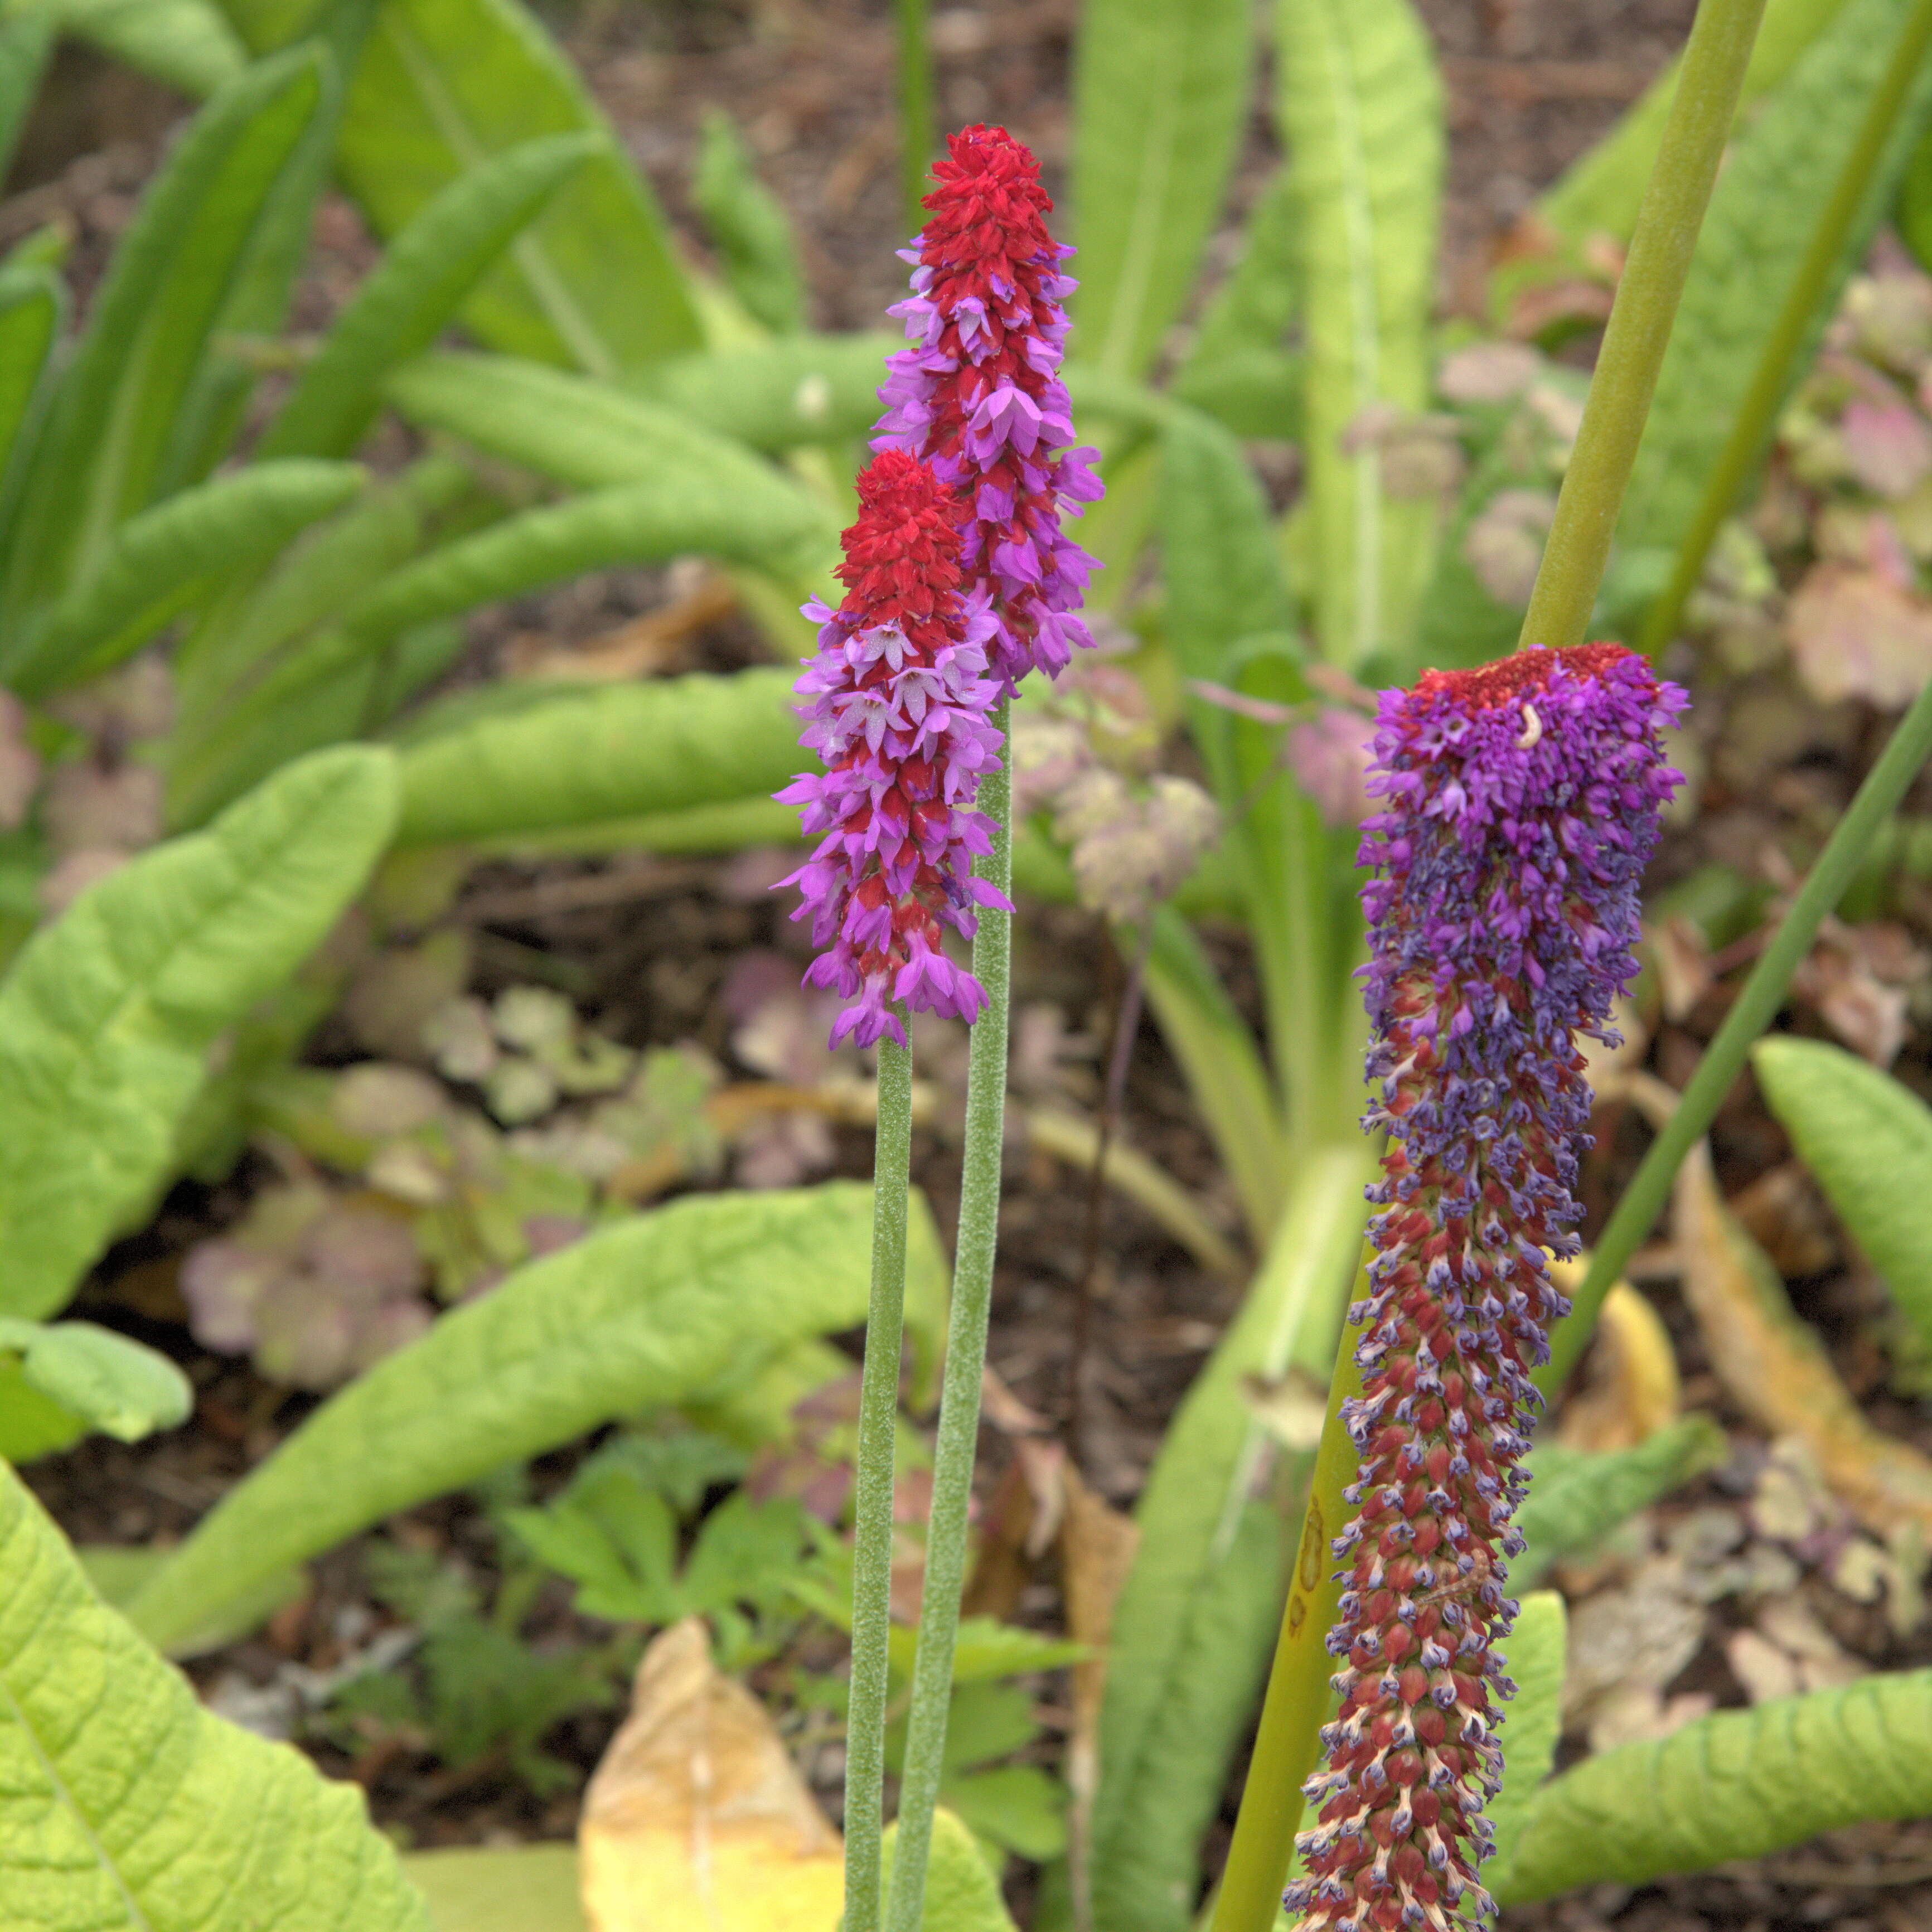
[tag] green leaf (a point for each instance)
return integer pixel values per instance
(125, 1806)
(604, 751)
(159, 562)
(114, 417)
(112, 1383)
(594, 283)
(26, 38)
(1775, 183)
(1868, 1140)
(749, 229)
(1018, 1807)
(1534, 1654)
(499, 1887)
(409, 299)
(800, 389)
(185, 43)
(1577, 1499)
(1160, 92)
(33, 303)
(1734, 1785)
(1252, 309)
(988, 1649)
(107, 1016)
(638, 1316)
(118, 1570)
(1360, 109)
(961, 1894)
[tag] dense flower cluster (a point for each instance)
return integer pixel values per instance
(978, 394)
(899, 714)
(1522, 802)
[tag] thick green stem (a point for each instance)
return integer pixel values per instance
(965, 1366)
(915, 145)
(1752, 1011)
(1639, 328)
(872, 1509)
(1298, 1692)
(1751, 427)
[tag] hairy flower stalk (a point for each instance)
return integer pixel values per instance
(1522, 802)
(900, 714)
(978, 394)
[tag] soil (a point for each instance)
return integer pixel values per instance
(1532, 84)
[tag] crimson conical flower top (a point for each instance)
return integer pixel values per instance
(899, 716)
(978, 394)
(1522, 801)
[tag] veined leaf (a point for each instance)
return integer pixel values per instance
(117, 1570)
(105, 1380)
(961, 1893)
(1361, 108)
(1534, 1654)
(749, 229)
(640, 1315)
(800, 389)
(1778, 179)
(1734, 1785)
(125, 1806)
(107, 1016)
(185, 43)
(1867, 1139)
(605, 751)
(433, 264)
(159, 562)
(1160, 92)
(529, 1887)
(26, 37)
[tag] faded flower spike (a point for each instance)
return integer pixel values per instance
(1522, 802)
(978, 396)
(900, 700)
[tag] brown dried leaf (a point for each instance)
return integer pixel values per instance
(1631, 1388)
(696, 1820)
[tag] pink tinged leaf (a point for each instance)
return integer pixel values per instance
(1887, 445)
(1855, 635)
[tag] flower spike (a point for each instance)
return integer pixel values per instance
(1522, 800)
(898, 713)
(978, 394)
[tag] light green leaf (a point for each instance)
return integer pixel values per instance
(110, 1381)
(1734, 1785)
(961, 1894)
(640, 1315)
(409, 297)
(800, 389)
(160, 561)
(1534, 1654)
(595, 752)
(32, 1424)
(499, 1887)
(1775, 183)
(26, 37)
(118, 1570)
(1577, 1499)
(1017, 1807)
(185, 43)
(107, 1016)
(1868, 1140)
(125, 1806)
(1360, 109)
(988, 1649)
(1160, 95)
(749, 229)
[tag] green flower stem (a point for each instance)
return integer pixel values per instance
(916, 137)
(1636, 1213)
(872, 1543)
(1298, 1693)
(1751, 428)
(965, 1366)
(1694, 135)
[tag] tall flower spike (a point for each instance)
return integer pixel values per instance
(978, 396)
(1522, 801)
(899, 708)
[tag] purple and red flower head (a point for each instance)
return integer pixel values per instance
(1522, 800)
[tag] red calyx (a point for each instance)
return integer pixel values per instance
(1490, 684)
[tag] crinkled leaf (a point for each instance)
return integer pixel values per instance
(961, 1894)
(1532, 1721)
(802, 388)
(499, 1887)
(125, 1806)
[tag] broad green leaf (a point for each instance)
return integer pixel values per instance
(1867, 1139)
(186, 43)
(499, 1887)
(26, 37)
(32, 1424)
(1577, 1499)
(603, 751)
(640, 1315)
(125, 1806)
(162, 560)
(987, 1649)
(1533, 1653)
(1015, 1808)
(1734, 1785)
(118, 1570)
(799, 389)
(32, 303)
(961, 1893)
(1360, 105)
(112, 1383)
(116, 409)
(1160, 93)
(1776, 182)
(594, 283)
(407, 300)
(107, 1016)
(749, 229)
(1197, 1615)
